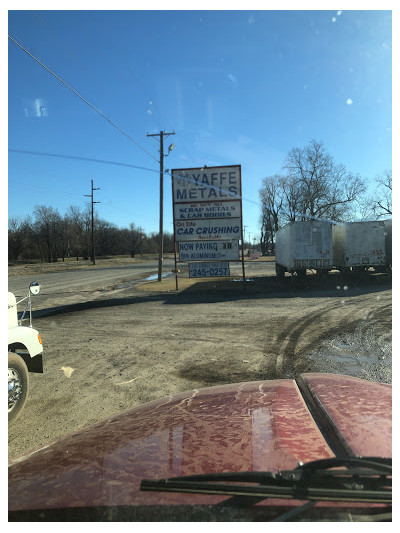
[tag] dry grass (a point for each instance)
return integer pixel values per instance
(19, 269)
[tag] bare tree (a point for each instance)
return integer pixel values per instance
(106, 237)
(77, 237)
(272, 197)
(46, 227)
(19, 237)
(378, 203)
(383, 201)
(327, 190)
(313, 187)
(292, 198)
(50, 237)
(135, 239)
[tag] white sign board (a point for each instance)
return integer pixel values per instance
(189, 211)
(209, 250)
(208, 270)
(208, 229)
(206, 184)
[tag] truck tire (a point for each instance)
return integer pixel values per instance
(280, 271)
(18, 383)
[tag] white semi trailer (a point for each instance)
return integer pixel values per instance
(388, 243)
(303, 245)
(358, 246)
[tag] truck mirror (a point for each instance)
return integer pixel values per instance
(34, 287)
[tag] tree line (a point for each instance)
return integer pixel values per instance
(312, 186)
(49, 236)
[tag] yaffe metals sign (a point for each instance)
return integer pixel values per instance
(206, 184)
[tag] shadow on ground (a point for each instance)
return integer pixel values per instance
(331, 286)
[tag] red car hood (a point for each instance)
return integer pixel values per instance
(261, 426)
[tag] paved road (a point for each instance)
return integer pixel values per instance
(97, 278)
(76, 286)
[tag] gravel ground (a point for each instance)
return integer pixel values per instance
(130, 346)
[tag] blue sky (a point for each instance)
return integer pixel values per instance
(237, 87)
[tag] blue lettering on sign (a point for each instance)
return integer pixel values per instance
(210, 270)
(186, 246)
(181, 194)
(205, 193)
(184, 231)
(213, 230)
(204, 186)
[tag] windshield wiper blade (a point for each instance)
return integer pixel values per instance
(362, 480)
(375, 465)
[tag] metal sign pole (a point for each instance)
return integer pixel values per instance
(241, 220)
(176, 267)
(176, 263)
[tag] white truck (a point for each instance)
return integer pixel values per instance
(303, 245)
(24, 352)
(360, 245)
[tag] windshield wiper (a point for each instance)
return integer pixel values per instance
(355, 479)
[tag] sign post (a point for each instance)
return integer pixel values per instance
(207, 207)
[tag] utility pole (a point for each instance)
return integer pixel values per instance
(162, 134)
(244, 233)
(91, 196)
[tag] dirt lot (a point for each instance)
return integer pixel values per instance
(143, 342)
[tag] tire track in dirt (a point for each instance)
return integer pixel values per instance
(292, 335)
(287, 341)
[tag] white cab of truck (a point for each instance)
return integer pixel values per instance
(24, 352)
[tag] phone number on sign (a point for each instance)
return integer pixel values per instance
(208, 272)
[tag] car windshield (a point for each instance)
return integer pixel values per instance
(199, 200)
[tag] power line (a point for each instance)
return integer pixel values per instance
(89, 159)
(83, 99)
(103, 161)
(115, 65)
(128, 68)
(133, 73)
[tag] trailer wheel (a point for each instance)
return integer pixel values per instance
(18, 382)
(301, 273)
(280, 271)
(383, 268)
(359, 270)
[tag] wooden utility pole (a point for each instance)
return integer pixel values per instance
(91, 196)
(162, 134)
